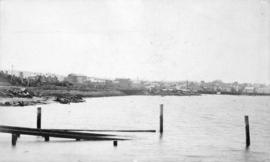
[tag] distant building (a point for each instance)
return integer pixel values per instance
(21, 75)
(137, 84)
(123, 83)
(263, 90)
(96, 80)
(74, 78)
(109, 83)
(249, 90)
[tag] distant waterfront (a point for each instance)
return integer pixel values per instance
(19, 89)
(86, 83)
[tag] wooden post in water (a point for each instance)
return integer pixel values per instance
(13, 139)
(161, 119)
(115, 143)
(247, 131)
(39, 118)
(47, 138)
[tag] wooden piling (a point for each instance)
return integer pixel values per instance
(13, 139)
(39, 118)
(115, 143)
(161, 119)
(47, 138)
(247, 131)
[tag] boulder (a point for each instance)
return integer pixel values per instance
(69, 99)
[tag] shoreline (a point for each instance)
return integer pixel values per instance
(16, 101)
(27, 96)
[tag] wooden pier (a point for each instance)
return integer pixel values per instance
(77, 134)
(47, 133)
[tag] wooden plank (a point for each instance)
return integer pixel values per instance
(49, 130)
(58, 134)
(61, 135)
(104, 130)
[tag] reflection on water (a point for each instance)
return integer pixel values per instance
(197, 128)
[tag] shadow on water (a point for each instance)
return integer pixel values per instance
(247, 154)
(51, 141)
(160, 136)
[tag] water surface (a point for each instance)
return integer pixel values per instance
(196, 128)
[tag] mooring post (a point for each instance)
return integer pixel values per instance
(247, 131)
(115, 143)
(47, 138)
(39, 118)
(13, 139)
(161, 119)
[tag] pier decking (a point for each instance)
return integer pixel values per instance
(47, 133)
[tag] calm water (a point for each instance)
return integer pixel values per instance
(197, 128)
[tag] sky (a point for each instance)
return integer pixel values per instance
(140, 39)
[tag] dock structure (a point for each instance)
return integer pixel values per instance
(47, 133)
(77, 134)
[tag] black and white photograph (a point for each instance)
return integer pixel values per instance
(134, 80)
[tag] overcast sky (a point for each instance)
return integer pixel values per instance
(145, 39)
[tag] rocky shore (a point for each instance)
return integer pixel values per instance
(69, 99)
(21, 96)
(25, 96)
(16, 101)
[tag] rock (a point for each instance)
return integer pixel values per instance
(62, 100)
(20, 92)
(69, 99)
(77, 99)
(21, 103)
(7, 103)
